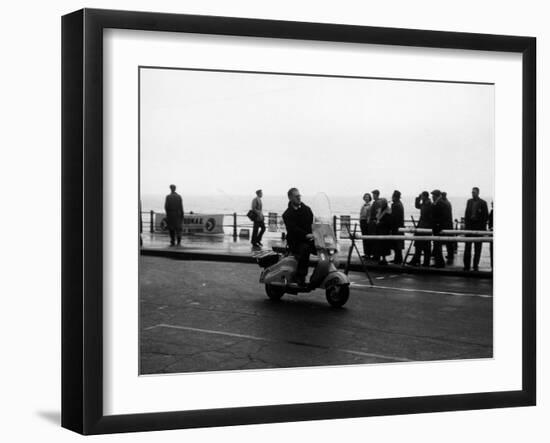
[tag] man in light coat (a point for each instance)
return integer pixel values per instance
(259, 224)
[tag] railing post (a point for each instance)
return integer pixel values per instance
(334, 225)
(152, 222)
(234, 226)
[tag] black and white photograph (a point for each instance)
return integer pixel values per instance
(274, 222)
(298, 220)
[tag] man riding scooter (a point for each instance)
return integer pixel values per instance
(298, 220)
(286, 273)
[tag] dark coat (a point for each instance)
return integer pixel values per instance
(448, 223)
(397, 217)
(476, 215)
(425, 213)
(439, 216)
(397, 221)
(298, 224)
(383, 227)
(174, 211)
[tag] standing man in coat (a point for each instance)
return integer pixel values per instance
(438, 221)
(259, 223)
(423, 203)
(173, 207)
(475, 218)
(448, 224)
(298, 220)
(397, 221)
(374, 207)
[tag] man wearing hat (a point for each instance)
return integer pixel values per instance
(438, 219)
(173, 207)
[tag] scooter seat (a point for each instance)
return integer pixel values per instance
(279, 249)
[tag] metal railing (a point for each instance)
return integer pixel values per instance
(240, 221)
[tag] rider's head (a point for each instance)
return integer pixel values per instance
(294, 197)
(173, 188)
(259, 193)
(367, 197)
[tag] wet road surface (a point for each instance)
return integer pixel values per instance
(210, 316)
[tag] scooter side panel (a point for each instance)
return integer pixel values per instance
(281, 272)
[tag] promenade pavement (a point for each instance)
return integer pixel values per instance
(225, 248)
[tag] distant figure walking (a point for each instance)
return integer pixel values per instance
(383, 227)
(173, 207)
(448, 224)
(475, 219)
(397, 221)
(438, 222)
(364, 217)
(423, 203)
(259, 223)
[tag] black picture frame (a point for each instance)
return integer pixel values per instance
(82, 231)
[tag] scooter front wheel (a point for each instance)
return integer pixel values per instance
(274, 292)
(337, 296)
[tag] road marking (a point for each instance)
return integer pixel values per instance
(426, 291)
(252, 337)
(207, 331)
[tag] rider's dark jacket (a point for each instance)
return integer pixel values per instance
(298, 224)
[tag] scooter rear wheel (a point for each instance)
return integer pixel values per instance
(274, 292)
(337, 296)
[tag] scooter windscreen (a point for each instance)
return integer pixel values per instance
(322, 212)
(322, 228)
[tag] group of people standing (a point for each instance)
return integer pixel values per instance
(378, 218)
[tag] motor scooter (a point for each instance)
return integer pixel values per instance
(279, 269)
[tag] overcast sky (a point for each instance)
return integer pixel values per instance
(231, 133)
